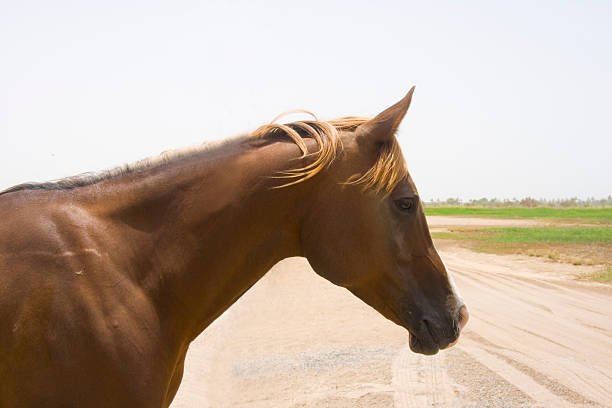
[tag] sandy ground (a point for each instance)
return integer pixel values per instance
(437, 221)
(536, 338)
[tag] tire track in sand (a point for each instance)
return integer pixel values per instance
(421, 381)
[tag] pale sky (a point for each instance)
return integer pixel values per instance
(512, 98)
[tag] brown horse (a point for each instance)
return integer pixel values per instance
(105, 280)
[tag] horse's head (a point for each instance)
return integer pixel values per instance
(375, 242)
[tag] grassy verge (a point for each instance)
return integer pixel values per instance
(605, 276)
(585, 215)
(570, 235)
(575, 245)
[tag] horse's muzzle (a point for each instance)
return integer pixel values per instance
(431, 337)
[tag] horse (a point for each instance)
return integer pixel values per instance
(106, 278)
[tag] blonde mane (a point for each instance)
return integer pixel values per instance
(388, 170)
(382, 177)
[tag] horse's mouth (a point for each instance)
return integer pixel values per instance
(428, 346)
(429, 340)
(423, 340)
(423, 345)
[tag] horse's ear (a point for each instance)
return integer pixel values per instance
(382, 128)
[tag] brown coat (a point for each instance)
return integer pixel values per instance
(104, 282)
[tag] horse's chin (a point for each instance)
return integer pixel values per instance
(420, 346)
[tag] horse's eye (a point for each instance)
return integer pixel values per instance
(405, 204)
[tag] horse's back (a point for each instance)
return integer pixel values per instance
(33, 251)
(36, 298)
(58, 342)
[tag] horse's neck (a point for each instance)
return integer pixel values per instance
(209, 231)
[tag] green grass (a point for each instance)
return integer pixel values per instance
(588, 215)
(575, 245)
(577, 235)
(568, 241)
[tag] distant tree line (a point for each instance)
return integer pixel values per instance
(523, 202)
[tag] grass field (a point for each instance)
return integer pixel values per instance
(569, 235)
(563, 242)
(586, 215)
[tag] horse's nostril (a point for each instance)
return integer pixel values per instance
(464, 316)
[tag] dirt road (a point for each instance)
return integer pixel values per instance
(536, 338)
